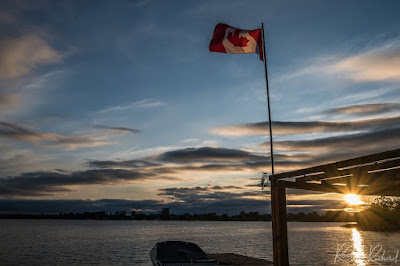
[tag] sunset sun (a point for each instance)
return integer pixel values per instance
(353, 199)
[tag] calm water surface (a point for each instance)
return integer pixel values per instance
(61, 242)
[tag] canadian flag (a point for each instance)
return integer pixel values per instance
(230, 40)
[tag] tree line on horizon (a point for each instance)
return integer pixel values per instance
(382, 215)
(165, 215)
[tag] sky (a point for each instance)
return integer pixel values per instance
(120, 105)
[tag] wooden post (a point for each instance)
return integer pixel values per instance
(279, 223)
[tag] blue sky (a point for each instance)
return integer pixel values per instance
(122, 101)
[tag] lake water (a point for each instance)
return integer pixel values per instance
(61, 242)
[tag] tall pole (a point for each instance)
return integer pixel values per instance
(269, 108)
(278, 192)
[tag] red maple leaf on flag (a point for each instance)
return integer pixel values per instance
(236, 40)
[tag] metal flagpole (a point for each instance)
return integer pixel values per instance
(269, 108)
(278, 193)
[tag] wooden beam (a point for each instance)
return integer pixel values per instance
(279, 224)
(313, 177)
(332, 169)
(315, 187)
(392, 189)
(377, 177)
(381, 164)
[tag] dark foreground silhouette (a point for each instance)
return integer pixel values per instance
(382, 215)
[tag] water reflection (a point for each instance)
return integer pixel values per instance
(358, 250)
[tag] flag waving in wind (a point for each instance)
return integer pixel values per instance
(230, 40)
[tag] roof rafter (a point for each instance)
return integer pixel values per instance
(374, 174)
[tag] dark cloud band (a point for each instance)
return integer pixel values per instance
(287, 128)
(45, 183)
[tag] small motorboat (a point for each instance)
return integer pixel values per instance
(178, 253)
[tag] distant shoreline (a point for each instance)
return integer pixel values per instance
(165, 215)
(1, 218)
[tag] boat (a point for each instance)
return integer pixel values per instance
(179, 253)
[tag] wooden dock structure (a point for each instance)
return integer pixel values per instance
(375, 174)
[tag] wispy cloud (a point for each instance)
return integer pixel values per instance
(142, 104)
(19, 133)
(365, 109)
(117, 129)
(21, 55)
(179, 191)
(9, 100)
(379, 63)
(14, 161)
(123, 164)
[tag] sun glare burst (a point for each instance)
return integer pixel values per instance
(353, 199)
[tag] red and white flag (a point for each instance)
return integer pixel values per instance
(230, 40)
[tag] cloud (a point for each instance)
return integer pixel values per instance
(203, 194)
(257, 166)
(122, 164)
(118, 129)
(380, 140)
(19, 133)
(76, 206)
(225, 187)
(365, 109)
(182, 164)
(182, 191)
(14, 161)
(207, 154)
(9, 100)
(379, 64)
(186, 162)
(19, 56)
(289, 155)
(301, 127)
(142, 104)
(44, 183)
